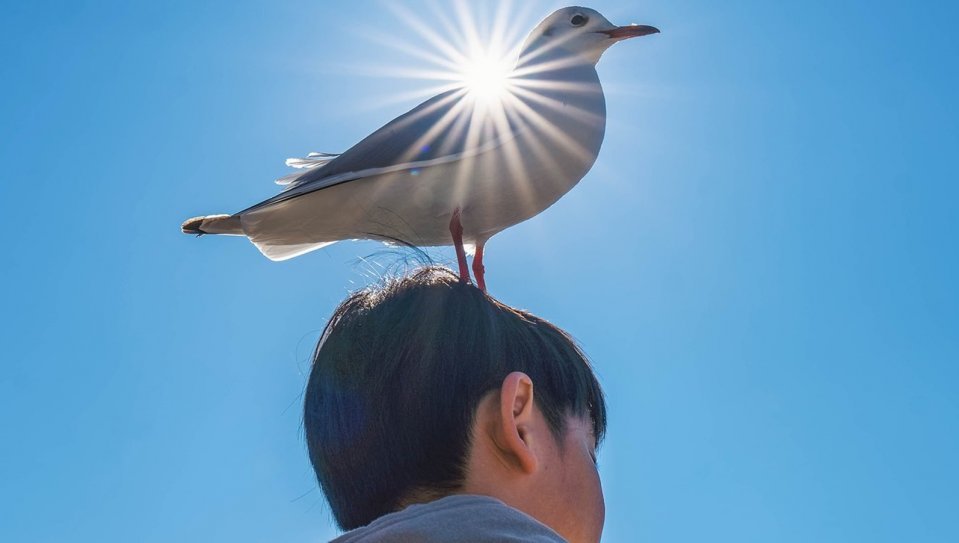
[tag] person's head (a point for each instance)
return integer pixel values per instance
(427, 387)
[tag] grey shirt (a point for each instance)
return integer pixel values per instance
(455, 519)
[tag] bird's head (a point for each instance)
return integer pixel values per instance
(579, 33)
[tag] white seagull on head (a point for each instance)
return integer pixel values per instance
(458, 168)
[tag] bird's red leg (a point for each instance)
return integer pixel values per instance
(479, 271)
(456, 229)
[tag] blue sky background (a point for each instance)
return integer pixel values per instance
(762, 265)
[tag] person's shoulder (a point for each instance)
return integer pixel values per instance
(454, 519)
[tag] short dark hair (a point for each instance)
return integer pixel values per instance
(396, 379)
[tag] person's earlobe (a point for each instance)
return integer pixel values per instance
(516, 421)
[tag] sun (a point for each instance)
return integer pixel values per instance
(468, 48)
(486, 77)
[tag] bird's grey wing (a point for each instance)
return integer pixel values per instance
(437, 131)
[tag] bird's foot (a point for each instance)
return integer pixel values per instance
(456, 230)
(479, 271)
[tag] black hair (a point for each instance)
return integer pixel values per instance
(396, 379)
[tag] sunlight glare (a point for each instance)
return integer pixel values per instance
(486, 77)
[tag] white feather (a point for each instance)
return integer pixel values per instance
(310, 161)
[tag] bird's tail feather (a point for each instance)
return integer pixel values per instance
(278, 253)
(213, 224)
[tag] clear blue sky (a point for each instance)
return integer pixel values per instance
(762, 265)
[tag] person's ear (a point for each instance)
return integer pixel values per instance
(516, 424)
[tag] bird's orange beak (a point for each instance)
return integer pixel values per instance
(631, 31)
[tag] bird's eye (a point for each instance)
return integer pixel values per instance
(578, 20)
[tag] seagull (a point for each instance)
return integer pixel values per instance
(456, 169)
